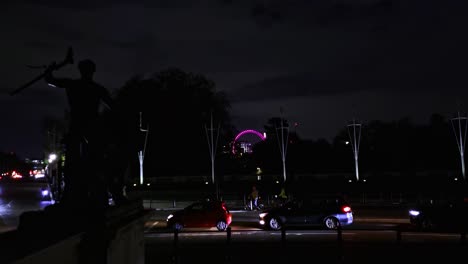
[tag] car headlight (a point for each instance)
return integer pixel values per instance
(262, 215)
(169, 217)
(414, 212)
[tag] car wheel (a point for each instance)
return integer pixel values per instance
(274, 223)
(331, 223)
(177, 226)
(221, 225)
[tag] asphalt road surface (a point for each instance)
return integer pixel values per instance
(370, 239)
(18, 197)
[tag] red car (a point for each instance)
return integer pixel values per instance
(201, 214)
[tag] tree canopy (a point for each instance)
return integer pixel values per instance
(176, 107)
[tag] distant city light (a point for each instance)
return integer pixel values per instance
(16, 175)
(346, 142)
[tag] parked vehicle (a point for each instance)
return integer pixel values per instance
(326, 211)
(207, 213)
(450, 214)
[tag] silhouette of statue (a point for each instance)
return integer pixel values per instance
(83, 185)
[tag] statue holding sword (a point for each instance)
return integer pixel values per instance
(85, 181)
(84, 97)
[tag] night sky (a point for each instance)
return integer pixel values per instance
(323, 61)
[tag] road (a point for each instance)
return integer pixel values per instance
(18, 197)
(371, 238)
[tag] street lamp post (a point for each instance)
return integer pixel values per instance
(459, 125)
(212, 144)
(354, 132)
(283, 143)
(141, 153)
(54, 161)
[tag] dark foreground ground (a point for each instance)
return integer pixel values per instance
(376, 244)
(306, 252)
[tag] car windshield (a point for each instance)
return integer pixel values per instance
(316, 202)
(209, 205)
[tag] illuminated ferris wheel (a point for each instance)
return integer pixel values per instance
(248, 131)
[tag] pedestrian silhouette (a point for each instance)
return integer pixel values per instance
(253, 197)
(282, 196)
(83, 187)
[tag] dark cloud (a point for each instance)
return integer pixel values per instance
(91, 4)
(321, 13)
(310, 84)
(415, 47)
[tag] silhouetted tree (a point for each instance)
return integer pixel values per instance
(176, 106)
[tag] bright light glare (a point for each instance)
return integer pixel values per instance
(346, 209)
(262, 215)
(39, 175)
(261, 222)
(45, 192)
(169, 217)
(16, 175)
(52, 157)
(414, 212)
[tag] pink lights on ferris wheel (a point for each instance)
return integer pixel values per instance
(248, 131)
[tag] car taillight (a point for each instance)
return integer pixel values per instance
(346, 209)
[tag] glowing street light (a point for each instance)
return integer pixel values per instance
(212, 146)
(141, 153)
(354, 132)
(459, 125)
(283, 142)
(52, 157)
